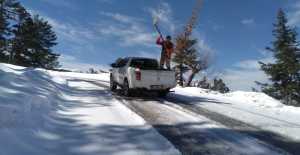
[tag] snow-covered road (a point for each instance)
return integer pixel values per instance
(195, 134)
(43, 112)
(46, 112)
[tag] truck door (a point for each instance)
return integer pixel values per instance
(122, 70)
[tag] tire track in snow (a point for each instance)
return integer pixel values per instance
(183, 135)
(195, 135)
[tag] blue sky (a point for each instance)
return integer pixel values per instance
(235, 32)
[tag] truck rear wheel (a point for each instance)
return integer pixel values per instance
(126, 89)
(163, 93)
(113, 84)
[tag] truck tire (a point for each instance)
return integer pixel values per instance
(126, 90)
(113, 84)
(163, 93)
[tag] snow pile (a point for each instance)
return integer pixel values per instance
(47, 112)
(253, 98)
(258, 99)
(24, 100)
(253, 108)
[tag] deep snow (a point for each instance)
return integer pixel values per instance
(254, 108)
(46, 112)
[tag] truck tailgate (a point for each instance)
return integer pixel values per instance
(157, 79)
(166, 77)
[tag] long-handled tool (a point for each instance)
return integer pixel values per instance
(155, 23)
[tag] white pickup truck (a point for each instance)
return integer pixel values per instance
(133, 73)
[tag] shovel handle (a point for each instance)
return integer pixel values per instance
(158, 30)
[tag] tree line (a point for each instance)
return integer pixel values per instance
(217, 84)
(25, 39)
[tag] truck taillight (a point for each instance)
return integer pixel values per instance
(138, 74)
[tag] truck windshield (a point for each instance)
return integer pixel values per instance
(145, 64)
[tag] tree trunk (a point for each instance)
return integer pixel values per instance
(181, 75)
(191, 77)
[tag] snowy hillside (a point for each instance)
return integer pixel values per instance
(45, 112)
(254, 108)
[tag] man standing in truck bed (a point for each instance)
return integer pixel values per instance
(166, 52)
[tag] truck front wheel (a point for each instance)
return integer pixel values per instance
(126, 89)
(113, 84)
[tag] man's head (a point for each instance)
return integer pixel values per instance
(169, 38)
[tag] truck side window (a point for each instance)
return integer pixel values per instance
(145, 64)
(123, 62)
(118, 62)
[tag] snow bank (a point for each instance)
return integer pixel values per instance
(47, 112)
(254, 98)
(23, 97)
(102, 76)
(257, 99)
(254, 108)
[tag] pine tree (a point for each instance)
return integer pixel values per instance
(25, 40)
(183, 39)
(7, 15)
(3, 32)
(220, 86)
(181, 57)
(23, 30)
(204, 83)
(284, 73)
(195, 61)
(189, 59)
(92, 71)
(33, 41)
(42, 54)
